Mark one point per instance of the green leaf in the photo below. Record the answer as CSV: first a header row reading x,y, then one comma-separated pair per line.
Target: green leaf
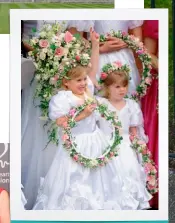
x,y
52,46
77,36
34,30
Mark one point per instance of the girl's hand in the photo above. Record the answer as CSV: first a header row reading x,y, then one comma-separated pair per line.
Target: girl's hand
x,y
88,110
60,121
96,84
94,37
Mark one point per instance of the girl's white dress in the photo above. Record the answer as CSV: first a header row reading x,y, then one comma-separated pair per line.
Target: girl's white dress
x,y
35,160
23,199
124,55
120,185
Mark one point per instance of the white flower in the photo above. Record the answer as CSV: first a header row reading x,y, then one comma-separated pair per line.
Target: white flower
x,y
36,65
61,36
42,56
56,58
73,39
55,64
30,53
77,45
43,118
38,77
66,51
64,60
45,95
85,56
43,34
67,63
49,52
93,162
34,40
45,50
137,40
68,45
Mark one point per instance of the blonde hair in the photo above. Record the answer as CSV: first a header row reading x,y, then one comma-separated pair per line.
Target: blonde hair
x,y
74,73
116,77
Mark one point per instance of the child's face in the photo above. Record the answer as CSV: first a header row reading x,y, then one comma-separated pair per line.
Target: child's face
x,y
117,91
78,85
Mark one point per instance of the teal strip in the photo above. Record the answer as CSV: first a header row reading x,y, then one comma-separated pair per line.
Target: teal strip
x,y
89,221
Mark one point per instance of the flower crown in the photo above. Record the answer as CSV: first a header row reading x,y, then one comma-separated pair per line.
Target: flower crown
x,y
111,67
56,52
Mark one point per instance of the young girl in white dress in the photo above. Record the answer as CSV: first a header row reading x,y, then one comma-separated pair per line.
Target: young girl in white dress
x,y
35,160
70,186
115,88
114,49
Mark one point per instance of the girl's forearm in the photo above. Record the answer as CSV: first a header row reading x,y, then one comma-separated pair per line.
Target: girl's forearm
x,y
94,61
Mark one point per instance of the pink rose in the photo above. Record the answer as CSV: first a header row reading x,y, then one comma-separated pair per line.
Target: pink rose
x,y
72,112
148,167
59,51
103,76
68,144
75,157
56,77
65,137
118,63
52,81
150,187
77,58
139,52
124,33
134,94
151,180
144,152
43,43
148,80
68,37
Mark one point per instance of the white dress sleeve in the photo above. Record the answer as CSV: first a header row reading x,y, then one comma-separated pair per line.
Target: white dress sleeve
x,y
136,119
135,23
90,85
59,105
81,25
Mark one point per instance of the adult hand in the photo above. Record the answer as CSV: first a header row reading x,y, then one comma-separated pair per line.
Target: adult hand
x,y
112,44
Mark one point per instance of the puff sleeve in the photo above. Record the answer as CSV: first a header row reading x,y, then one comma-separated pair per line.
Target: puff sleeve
x,y
136,114
81,25
135,23
59,105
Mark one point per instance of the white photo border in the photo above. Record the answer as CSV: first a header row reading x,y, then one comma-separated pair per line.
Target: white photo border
x,y
15,112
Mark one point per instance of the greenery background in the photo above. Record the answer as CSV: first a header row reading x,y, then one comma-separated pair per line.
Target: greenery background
x,y
168,4
5,9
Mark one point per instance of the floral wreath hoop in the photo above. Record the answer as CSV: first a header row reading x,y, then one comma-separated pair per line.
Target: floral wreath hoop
x,y
70,145
135,44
